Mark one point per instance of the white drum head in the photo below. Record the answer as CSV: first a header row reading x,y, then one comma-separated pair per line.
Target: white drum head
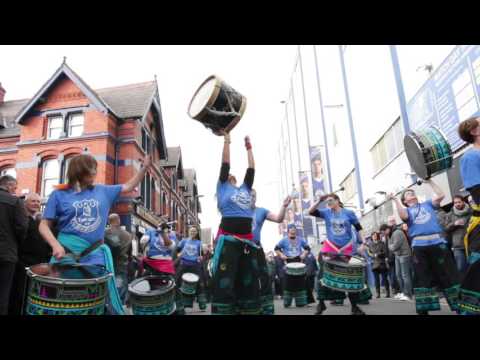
x,y
296,265
189,277
202,96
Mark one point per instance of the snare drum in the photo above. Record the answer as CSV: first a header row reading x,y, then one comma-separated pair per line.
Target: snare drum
x,y
56,289
217,105
428,152
189,283
153,295
296,269
344,276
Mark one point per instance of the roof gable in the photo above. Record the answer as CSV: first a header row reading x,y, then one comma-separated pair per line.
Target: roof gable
x,y
65,70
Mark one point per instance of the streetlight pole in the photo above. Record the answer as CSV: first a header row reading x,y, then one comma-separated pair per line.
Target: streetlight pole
x,y
289,142
306,119
298,144
324,129
352,130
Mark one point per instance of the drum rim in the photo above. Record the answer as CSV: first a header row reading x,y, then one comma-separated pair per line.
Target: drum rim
x,y
414,137
58,281
236,120
335,262
210,101
300,267
152,292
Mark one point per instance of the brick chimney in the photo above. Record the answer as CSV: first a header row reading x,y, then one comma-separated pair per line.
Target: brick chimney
x,y
2,94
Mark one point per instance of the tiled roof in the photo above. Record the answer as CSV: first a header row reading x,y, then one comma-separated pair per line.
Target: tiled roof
x,y
126,102
173,157
130,100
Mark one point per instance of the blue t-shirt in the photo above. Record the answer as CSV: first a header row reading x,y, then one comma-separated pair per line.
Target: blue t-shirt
x,y
258,219
292,248
190,250
422,220
156,246
233,201
470,168
83,213
338,224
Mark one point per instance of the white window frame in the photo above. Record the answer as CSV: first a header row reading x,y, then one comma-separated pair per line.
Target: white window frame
x,y
44,165
8,171
71,117
49,129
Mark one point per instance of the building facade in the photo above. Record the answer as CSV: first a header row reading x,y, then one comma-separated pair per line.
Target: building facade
x,y
118,126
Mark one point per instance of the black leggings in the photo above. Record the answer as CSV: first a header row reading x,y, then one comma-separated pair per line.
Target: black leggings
x,y
7,270
384,275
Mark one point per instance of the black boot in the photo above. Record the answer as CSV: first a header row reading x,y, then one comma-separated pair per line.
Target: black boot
x,y
378,293
388,292
321,307
356,310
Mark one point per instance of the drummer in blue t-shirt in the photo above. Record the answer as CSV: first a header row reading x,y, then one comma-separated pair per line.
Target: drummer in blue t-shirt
x,y
190,258
469,298
340,245
259,217
80,210
293,249
432,261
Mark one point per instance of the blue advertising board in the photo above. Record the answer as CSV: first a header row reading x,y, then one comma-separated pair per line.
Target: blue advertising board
x,y
450,95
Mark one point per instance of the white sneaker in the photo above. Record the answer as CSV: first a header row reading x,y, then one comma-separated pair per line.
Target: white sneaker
x,y
405,298
398,296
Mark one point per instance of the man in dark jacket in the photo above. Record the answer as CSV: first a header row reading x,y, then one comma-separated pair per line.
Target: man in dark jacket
x,y
13,230
456,226
33,250
279,275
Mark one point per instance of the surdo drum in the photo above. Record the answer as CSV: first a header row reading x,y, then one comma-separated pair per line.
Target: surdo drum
x,y
344,276
189,283
428,152
153,295
296,269
217,105
56,289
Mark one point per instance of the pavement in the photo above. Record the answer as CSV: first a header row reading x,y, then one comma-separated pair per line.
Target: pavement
x,y
382,306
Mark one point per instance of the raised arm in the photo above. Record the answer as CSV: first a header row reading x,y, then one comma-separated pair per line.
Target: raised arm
x,y
135,180
278,218
401,210
316,204
249,176
225,169
438,192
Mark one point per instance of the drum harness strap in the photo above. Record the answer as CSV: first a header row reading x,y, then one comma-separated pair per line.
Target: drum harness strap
x,y
85,252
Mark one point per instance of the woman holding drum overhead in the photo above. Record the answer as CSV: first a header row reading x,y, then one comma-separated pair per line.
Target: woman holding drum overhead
x,y
235,271
191,263
339,246
469,297
432,260
293,250
81,209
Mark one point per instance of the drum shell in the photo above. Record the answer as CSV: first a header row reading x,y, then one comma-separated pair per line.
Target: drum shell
x,y
342,276
218,101
300,271
159,302
428,152
189,287
50,296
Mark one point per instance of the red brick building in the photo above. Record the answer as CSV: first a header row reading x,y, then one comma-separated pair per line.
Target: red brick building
x,y
116,125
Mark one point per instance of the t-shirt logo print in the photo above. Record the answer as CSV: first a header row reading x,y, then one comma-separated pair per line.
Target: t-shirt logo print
x,y
423,217
242,199
338,227
190,250
87,217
